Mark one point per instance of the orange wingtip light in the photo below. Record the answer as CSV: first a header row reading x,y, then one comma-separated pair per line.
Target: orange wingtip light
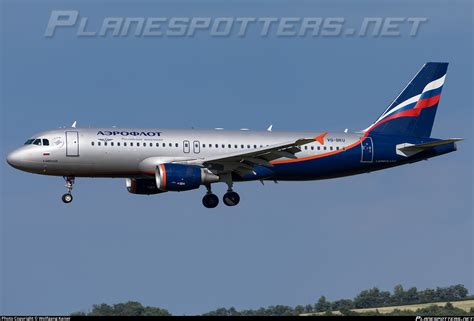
x,y
320,138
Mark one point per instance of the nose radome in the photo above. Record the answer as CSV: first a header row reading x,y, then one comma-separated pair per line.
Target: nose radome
x,y
14,158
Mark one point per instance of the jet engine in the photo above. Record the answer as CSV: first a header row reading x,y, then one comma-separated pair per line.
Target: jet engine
x,y
142,186
180,177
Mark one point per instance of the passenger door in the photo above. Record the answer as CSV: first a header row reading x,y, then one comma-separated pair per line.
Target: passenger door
x,y
72,144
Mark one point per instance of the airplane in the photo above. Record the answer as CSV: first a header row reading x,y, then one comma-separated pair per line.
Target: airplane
x,y
154,161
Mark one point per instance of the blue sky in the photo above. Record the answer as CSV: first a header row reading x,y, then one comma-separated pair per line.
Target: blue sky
x,y
285,243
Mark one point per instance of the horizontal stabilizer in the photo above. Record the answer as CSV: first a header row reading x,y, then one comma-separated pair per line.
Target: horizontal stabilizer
x,y
407,149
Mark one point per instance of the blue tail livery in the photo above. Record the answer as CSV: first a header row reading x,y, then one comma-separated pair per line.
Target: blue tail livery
x,y
158,160
413,112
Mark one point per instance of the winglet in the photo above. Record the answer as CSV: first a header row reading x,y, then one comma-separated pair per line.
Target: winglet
x,y
320,138
74,124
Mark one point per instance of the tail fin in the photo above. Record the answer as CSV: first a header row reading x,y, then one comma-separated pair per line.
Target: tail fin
x,y
413,112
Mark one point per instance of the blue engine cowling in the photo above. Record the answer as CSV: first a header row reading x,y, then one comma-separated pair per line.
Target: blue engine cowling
x,y
179,177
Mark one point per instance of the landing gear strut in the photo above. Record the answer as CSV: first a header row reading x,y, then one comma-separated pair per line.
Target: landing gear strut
x,y
210,200
67,198
230,198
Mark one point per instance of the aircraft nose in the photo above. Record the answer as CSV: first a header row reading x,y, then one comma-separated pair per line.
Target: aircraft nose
x,y
14,158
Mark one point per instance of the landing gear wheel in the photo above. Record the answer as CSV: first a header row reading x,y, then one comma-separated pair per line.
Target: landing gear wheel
x,y
67,198
231,198
210,200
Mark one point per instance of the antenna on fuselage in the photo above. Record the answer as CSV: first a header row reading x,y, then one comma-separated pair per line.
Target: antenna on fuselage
x,y
74,124
346,130
270,128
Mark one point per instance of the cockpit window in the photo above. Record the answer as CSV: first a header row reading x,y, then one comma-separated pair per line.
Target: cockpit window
x,y
37,141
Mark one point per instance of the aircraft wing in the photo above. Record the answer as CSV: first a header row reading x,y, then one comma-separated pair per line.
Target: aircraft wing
x,y
244,161
411,149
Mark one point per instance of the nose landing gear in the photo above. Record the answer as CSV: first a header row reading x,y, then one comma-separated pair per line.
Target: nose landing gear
x,y
67,198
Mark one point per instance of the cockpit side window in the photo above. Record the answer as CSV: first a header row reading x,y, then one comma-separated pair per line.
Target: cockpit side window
x,y
37,141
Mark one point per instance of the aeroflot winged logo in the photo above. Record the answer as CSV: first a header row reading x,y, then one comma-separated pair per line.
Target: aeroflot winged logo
x,y
127,133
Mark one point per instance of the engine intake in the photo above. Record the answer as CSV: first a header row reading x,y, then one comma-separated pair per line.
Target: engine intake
x,y
179,177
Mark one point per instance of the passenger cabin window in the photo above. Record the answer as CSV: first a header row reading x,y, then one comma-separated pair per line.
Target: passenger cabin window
x,y
92,143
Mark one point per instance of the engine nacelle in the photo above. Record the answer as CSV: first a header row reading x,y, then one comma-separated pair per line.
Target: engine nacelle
x,y
179,177
142,186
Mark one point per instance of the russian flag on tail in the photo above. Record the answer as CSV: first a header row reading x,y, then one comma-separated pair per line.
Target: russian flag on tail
x,y
413,112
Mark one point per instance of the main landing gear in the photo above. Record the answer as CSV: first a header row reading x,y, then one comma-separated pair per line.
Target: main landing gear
x,y
67,198
231,198
210,200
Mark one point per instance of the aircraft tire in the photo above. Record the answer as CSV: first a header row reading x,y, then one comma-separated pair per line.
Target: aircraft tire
x,y
67,198
231,198
210,200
